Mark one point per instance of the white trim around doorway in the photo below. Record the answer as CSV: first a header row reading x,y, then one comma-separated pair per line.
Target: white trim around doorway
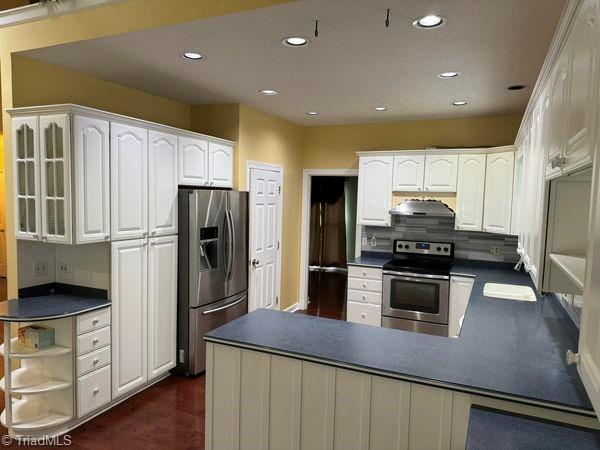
x,y
276,168
305,230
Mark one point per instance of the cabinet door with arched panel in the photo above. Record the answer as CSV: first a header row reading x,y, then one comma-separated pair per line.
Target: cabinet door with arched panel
x,y
220,157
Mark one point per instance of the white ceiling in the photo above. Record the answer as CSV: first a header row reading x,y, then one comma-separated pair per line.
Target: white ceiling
x,y
354,64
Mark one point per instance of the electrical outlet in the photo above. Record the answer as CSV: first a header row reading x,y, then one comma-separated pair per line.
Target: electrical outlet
x,y
373,241
40,268
495,250
365,241
64,268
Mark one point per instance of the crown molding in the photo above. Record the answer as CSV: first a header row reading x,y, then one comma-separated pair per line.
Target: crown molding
x,y
565,24
30,13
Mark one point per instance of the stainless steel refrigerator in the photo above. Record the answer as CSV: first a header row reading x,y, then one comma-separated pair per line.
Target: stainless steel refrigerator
x,y
213,268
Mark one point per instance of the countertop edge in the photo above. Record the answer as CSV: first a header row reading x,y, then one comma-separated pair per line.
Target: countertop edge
x,y
61,316
404,377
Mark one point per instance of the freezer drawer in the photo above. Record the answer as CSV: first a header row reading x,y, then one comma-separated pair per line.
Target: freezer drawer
x,y
207,318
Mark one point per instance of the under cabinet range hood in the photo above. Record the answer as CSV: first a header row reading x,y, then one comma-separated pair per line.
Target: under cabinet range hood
x,y
428,208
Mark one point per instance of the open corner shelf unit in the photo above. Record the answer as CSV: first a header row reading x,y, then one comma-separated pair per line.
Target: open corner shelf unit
x,y
572,266
39,391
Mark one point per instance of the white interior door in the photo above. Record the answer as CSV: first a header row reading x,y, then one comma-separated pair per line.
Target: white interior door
x,y
265,205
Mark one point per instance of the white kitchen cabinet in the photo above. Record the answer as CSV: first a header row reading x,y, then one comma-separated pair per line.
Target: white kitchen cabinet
x,y
193,161
430,418
470,192
55,178
162,305
129,181
440,173
498,192
220,165
91,160
409,173
582,51
460,292
162,183
352,410
27,177
129,278
375,190
555,104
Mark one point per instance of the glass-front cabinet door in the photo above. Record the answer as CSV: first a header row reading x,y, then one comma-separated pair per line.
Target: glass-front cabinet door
x,y
55,178
27,182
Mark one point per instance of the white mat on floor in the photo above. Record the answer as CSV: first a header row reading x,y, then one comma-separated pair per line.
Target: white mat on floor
x,y
509,292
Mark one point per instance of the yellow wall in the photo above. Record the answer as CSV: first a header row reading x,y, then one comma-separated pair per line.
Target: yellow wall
x,y
31,87
335,146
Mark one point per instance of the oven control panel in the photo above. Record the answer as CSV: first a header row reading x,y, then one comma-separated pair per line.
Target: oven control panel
x,y
419,247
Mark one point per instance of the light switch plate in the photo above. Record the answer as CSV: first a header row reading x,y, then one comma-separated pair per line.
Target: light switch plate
x,y
40,268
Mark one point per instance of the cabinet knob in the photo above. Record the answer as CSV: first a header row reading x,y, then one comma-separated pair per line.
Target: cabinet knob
x,y
364,297
363,315
153,233
95,322
96,390
364,285
35,236
96,361
364,274
95,341
44,238
145,234
106,237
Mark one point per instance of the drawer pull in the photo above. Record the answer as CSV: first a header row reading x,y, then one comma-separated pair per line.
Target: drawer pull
x,y
363,315
95,321
95,361
364,297
96,390
364,273
364,285
95,341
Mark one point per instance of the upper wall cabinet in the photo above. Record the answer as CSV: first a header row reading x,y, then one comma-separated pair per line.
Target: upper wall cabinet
x,y
469,192
92,179
220,165
440,173
129,181
162,183
409,173
498,192
83,175
193,161
375,190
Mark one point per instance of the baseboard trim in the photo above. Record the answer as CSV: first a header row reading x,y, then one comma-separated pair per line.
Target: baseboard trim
x,y
295,307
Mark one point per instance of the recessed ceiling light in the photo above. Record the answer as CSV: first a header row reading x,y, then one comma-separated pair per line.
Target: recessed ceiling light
x,y
192,56
268,92
294,41
312,113
430,21
379,108
516,87
449,74
459,103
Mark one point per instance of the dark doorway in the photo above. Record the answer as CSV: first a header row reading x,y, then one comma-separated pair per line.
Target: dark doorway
x,y
332,235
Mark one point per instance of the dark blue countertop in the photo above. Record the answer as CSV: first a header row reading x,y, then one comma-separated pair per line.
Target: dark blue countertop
x,y
47,307
494,430
506,347
371,259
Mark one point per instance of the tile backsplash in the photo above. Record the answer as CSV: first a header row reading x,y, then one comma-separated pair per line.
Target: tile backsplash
x,y
467,244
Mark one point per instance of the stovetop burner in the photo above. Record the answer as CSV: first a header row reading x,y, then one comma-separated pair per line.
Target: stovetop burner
x,y
420,257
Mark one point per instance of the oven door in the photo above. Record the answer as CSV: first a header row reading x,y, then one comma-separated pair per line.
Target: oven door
x,y
420,298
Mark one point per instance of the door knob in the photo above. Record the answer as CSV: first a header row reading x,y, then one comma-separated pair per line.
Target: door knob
x,y
255,262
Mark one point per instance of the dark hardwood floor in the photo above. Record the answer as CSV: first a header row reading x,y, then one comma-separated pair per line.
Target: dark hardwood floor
x,y
169,415
327,294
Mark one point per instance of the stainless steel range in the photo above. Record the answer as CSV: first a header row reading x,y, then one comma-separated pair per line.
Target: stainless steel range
x,y
416,287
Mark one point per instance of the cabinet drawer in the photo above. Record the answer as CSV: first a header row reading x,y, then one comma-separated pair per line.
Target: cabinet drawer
x,y
93,340
93,360
364,285
364,313
93,391
371,273
93,320
364,297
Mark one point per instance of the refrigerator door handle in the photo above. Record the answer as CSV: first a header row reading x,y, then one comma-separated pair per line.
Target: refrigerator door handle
x,y
232,243
221,308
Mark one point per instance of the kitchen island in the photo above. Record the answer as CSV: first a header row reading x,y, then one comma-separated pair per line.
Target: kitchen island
x,y
510,356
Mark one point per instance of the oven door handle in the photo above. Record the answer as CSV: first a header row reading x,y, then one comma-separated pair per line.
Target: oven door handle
x,y
415,276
